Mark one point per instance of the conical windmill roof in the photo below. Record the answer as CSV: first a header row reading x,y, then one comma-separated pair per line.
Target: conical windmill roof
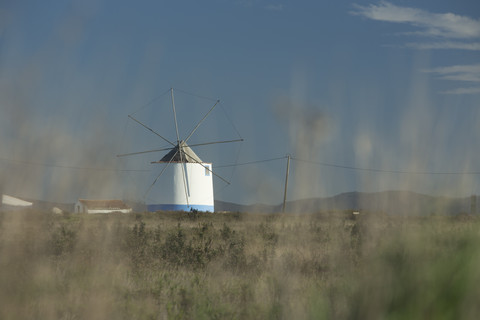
x,y
187,156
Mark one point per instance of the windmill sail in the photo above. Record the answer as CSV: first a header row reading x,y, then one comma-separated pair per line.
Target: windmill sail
x,y
188,183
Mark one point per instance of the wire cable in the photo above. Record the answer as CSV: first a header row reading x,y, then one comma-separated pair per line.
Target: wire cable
x,y
230,120
51,165
251,162
195,95
150,102
213,100
387,171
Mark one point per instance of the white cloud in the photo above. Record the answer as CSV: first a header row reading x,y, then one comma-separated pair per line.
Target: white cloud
x,y
465,73
471,90
456,69
446,25
469,73
446,31
474,46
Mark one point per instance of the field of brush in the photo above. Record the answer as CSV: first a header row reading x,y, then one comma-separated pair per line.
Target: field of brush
x,y
238,266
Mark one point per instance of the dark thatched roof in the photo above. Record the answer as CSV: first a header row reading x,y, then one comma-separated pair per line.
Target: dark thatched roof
x,y
175,155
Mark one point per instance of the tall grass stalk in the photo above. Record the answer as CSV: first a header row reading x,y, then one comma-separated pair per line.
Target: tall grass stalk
x,y
237,266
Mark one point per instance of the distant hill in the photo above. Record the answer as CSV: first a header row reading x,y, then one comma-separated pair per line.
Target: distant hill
x,y
254,208
388,202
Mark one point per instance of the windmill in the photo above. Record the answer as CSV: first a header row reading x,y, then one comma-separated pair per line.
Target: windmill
x,y
188,180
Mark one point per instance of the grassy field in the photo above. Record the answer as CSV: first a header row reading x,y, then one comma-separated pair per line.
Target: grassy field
x,y
238,266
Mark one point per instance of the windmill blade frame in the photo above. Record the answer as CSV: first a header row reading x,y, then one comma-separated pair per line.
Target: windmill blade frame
x,y
206,168
200,122
143,152
155,181
150,129
179,147
196,181
169,148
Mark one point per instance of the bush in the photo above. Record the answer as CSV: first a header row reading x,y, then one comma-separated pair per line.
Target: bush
x,y
149,266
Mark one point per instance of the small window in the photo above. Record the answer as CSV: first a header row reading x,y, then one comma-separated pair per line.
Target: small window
x,y
207,171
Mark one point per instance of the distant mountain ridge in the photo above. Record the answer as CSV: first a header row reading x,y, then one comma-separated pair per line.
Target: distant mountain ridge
x,y
388,202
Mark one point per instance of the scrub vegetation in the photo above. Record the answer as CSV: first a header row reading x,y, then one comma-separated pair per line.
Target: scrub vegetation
x,y
238,266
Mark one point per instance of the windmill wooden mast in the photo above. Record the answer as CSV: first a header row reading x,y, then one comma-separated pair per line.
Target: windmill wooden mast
x,y
188,185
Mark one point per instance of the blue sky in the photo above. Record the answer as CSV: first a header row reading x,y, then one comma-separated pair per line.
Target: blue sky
x,y
389,85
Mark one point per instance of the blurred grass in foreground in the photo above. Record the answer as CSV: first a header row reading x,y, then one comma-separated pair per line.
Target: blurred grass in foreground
x,y
238,266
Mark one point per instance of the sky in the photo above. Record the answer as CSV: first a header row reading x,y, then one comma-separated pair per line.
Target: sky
x,y
364,95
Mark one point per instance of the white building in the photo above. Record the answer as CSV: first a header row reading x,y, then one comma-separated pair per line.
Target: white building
x,y
9,203
186,183
101,206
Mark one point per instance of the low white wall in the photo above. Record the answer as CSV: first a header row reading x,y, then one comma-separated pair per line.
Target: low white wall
x,y
92,211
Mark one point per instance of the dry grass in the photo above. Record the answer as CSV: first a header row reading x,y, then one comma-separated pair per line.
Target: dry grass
x,y
237,266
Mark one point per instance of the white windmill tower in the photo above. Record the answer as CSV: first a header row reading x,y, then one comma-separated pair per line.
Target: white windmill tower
x,y
187,181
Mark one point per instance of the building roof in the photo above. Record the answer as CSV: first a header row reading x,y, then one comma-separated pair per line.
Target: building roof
x,y
175,156
104,204
12,201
